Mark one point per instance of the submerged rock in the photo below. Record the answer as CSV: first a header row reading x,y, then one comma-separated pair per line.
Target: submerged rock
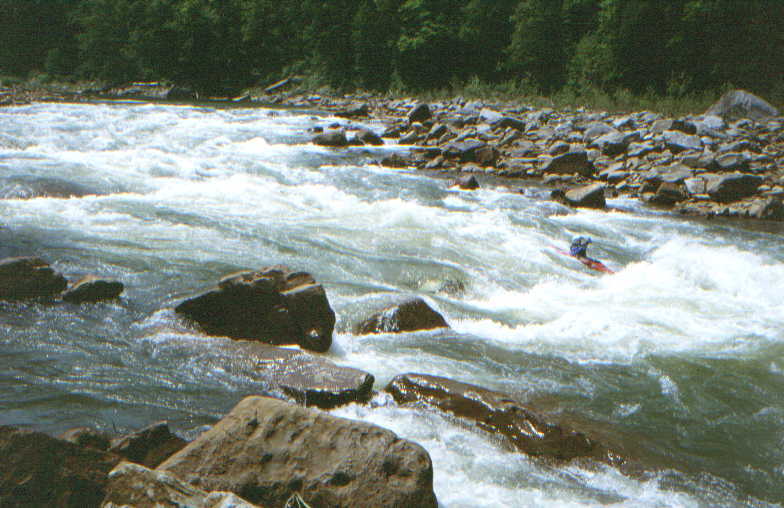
x,y
274,305
466,182
135,485
266,450
28,278
494,412
92,289
408,316
331,138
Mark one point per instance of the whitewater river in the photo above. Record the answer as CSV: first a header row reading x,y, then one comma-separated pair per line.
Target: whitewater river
x,y
678,358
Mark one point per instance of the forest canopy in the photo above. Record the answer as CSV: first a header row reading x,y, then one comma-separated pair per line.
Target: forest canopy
x,y
664,47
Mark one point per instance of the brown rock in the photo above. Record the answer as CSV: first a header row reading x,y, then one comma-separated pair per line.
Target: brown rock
x,y
408,316
494,412
265,450
149,446
92,289
29,278
570,162
132,485
39,470
274,305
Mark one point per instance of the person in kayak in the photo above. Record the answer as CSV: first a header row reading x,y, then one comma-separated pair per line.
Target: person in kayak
x,y
579,248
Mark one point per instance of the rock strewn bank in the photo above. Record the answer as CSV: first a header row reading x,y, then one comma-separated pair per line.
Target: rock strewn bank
x,y
728,161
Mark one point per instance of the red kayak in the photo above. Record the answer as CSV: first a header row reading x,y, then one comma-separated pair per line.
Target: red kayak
x,y
590,263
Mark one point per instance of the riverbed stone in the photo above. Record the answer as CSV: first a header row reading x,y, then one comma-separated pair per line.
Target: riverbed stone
x,y
39,470
587,196
571,162
275,305
92,289
495,412
411,315
27,278
677,141
732,187
133,485
331,138
466,182
265,450
420,113
297,376
149,446
87,436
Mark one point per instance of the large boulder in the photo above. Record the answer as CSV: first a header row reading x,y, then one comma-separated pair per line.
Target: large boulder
x,y
39,470
732,187
274,305
134,485
570,163
149,446
265,450
28,278
495,412
408,316
737,104
296,375
93,289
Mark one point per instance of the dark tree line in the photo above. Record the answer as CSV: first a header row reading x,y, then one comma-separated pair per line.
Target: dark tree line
x,y
672,46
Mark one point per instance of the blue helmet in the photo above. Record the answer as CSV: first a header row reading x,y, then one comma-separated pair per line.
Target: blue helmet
x,y
579,246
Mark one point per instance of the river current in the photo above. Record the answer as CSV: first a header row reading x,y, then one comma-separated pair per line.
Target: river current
x,y
677,358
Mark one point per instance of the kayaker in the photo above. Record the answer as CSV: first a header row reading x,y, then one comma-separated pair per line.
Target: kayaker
x,y
579,247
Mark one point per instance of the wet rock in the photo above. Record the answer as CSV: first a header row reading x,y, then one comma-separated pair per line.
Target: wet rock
x,y
92,289
332,138
732,187
395,161
408,316
86,436
494,412
274,305
297,376
741,104
587,196
266,450
28,187
569,163
420,113
39,470
467,182
369,137
27,278
134,485
149,446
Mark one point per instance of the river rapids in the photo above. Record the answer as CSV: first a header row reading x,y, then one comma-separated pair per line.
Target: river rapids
x,y
677,358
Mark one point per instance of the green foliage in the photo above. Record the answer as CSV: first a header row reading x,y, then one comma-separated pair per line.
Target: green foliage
x,y
575,48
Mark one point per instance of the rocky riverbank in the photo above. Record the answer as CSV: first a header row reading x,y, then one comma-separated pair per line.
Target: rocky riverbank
x,y
728,161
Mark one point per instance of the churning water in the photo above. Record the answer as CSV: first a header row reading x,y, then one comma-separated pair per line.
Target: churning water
x,y
677,359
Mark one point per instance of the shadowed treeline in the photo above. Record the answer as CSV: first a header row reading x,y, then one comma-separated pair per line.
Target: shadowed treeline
x,y
641,46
